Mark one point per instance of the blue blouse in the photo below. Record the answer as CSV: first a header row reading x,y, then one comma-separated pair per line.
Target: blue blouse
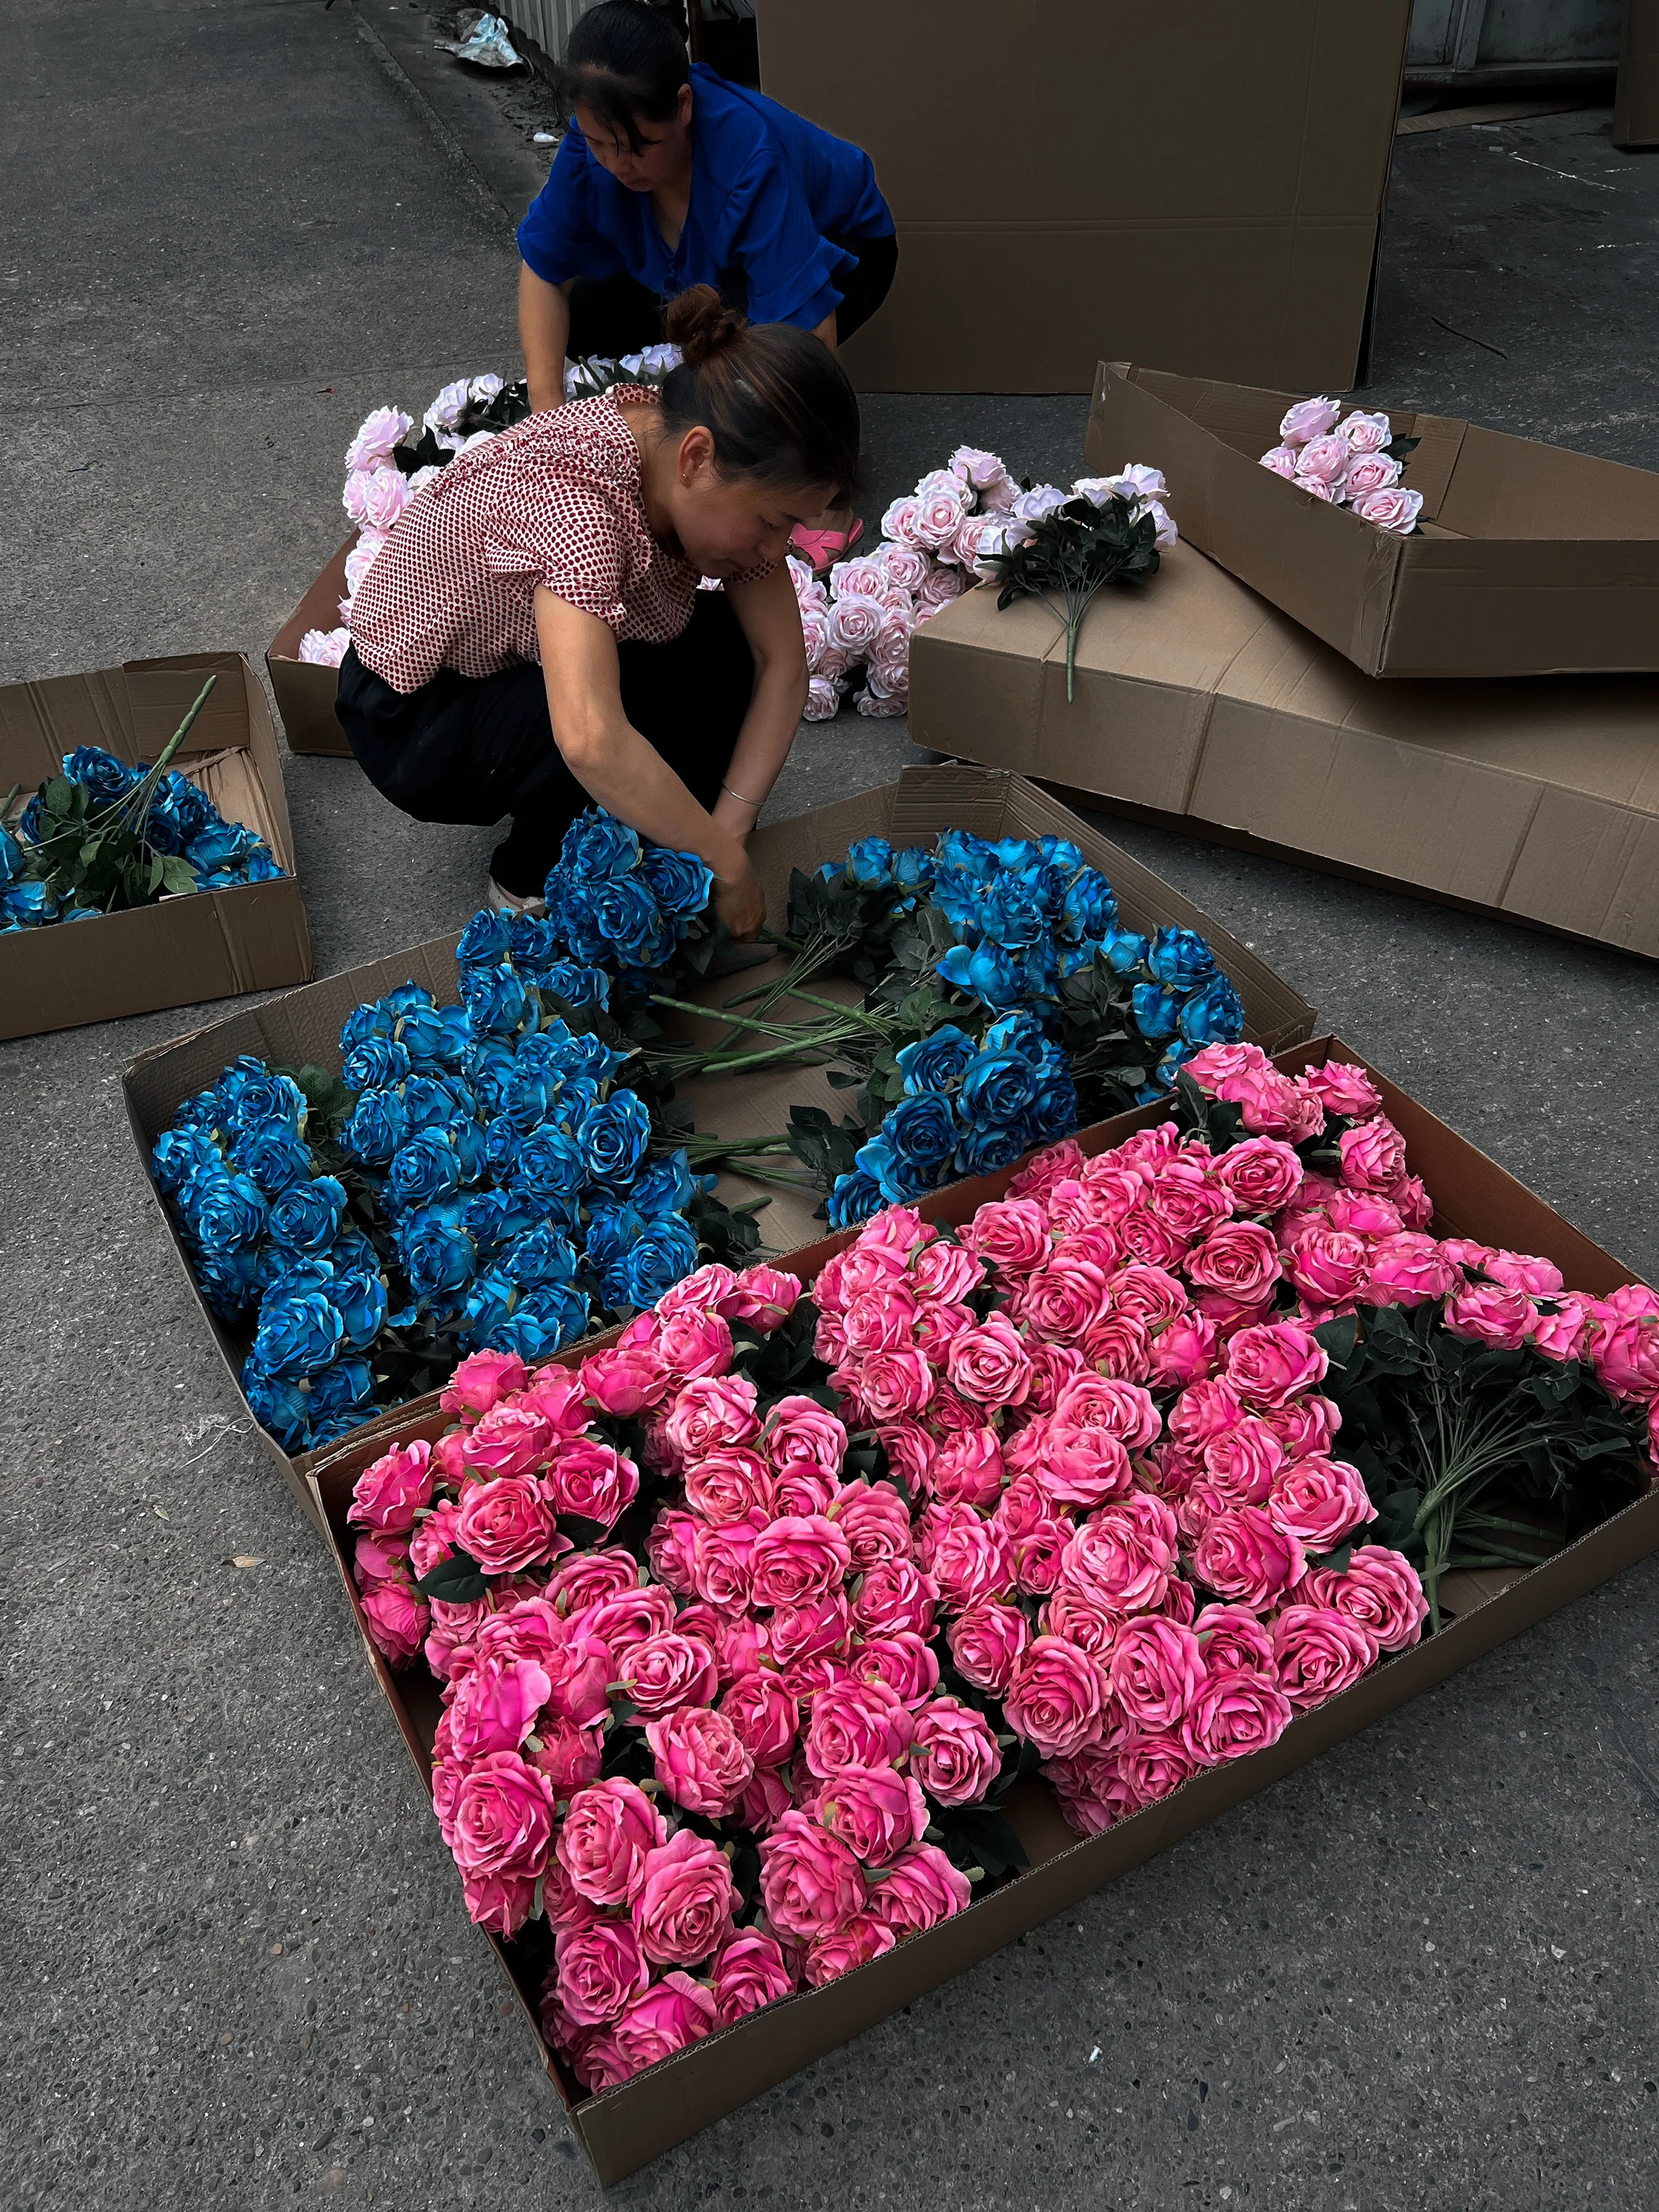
x,y
769,191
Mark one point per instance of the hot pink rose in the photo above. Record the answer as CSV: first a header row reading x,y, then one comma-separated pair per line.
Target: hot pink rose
x,y
701,1761
799,1559
762,1296
509,1439
803,1490
1560,1327
608,1832
387,1495
1238,1257
483,1380
1156,1670
945,1273
1373,1155
495,1706
666,1671
1320,1502
728,1484
1491,1313
1060,1301
1237,1711
1012,1233
875,1810
1081,1616
989,1363
893,1598
954,1755
1242,1462
1125,1553
722,1562
1320,1652
673,2012
496,1814
904,1661
591,1481
1122,1410
692,1345
857,1723
882,1320
801,1633
1261,1175
506,1525
749,1971
623,1383
967,1557
1626,1354
397,1620
499,1902
1242,1556
810,1882
1083,1467
1521,1271
1268,1365
683,1907
599,1969
764,1716
800,1430
1408,1270
1038,1552
1184,1351
875,1521
1055,1695
1118,1345
920,1889
1380,1593
1153,1763
1233,1641
711,1410
1304,1426
1208,1409
764,1800
987,1643
968,1469
910,1452
862,1938
569,1755
1309,419
892,1384
1328,1267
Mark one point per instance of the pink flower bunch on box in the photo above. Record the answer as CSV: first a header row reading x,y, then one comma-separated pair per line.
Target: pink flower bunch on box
x,y
1354,461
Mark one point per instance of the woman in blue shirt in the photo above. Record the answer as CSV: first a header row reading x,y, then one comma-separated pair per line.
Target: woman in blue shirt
x,y
669,177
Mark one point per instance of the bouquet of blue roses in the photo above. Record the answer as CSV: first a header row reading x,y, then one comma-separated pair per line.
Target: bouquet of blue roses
x,y
102,837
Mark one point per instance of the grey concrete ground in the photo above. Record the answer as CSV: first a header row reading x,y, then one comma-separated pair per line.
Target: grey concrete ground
x,y
236,1969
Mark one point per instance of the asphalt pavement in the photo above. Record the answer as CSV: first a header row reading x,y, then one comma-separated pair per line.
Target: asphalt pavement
x,y
236,1966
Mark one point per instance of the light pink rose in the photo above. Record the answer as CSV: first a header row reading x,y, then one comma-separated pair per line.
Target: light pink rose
x,y
607,1834
905,566
483,1380
506,1525
599,1971
987,1643
386,1496
899,522
810,1882
1320,1653
893,1598
684,1904
764,1716
1055,1697
1370,473
1281,460
904,1661
854,626
1366,434
623,1383
862,1938
1156,1670
749,1971
1380,1593
920,1889
1243,1557
1323,461
589,1481
1268,1365
954,1755
940,516
856,1723
375,497
942,585
1237,1711
1308,418
1491,1315
1319,1501
861,578
381,429
876,1811
673,2012
1396,510
496,1815
822,699
396,1619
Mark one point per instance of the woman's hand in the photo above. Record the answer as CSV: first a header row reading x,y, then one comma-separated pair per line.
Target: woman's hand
x,y
741,903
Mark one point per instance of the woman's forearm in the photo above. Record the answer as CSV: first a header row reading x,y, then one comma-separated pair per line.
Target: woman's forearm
x,y
543,334
768,732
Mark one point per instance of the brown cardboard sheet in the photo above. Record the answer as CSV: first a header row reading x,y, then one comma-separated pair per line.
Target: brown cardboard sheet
x,y
305,690
623,2129
1198,183
1197,700
1531,560
184,950
305,1025
1636,103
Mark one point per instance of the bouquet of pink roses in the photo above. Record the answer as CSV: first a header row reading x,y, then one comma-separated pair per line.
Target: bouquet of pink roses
x,y
1355,462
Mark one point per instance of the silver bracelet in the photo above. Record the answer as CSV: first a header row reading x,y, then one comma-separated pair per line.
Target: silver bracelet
x,y
741,800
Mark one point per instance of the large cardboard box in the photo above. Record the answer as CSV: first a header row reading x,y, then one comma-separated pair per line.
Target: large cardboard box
x,y
1530,560
622,2129
305,1025
212,945
1200,705
305,690
1199,184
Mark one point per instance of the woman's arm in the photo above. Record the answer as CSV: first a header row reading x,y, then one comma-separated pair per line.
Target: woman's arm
x,y
770,619
625,773
544,334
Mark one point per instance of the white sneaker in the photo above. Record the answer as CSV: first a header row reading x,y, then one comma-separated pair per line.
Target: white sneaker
x,y
509,902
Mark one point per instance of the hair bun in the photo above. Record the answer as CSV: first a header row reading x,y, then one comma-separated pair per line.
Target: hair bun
x,y
701,324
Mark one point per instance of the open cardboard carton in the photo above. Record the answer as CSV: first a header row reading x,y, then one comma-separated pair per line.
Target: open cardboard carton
x,y
1529,560
1199,182
1200,707
186,949
305,690
622,2129
305,1025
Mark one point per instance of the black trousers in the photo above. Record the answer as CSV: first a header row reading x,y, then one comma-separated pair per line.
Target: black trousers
x,y
473,748
616,315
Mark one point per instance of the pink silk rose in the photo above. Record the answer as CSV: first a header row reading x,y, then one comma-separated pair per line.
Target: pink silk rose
x,y
727,1484
1281,460
797,1560
387,1496
987,1643
800,1430
1308,419
1055,1697
668,1670
1396,510
710,1411
904,1661
598,1970
1379,1591
609,1830
764,1716
875,1810
875,1521
1328,1267
1241,1556
918,1891
1369,473
1320,1502
496,1815
864,1937
499,1902
1011,1234
1408,1270
701,1761
1366,434
672,2013
591,1481
1320,1652
624,1383
509,1439
495,1706
1323,461
1157,1669
1238,1257
953,1755
1235,1712
989,1363
893,1599
506,1525
1125,1553
685,1902
1268,1365
1491,1315
398,1621
857,1723
1234,1641
750,1970
810,1882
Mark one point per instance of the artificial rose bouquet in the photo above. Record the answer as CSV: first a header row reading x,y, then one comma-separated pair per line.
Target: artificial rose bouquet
x,y
1353,462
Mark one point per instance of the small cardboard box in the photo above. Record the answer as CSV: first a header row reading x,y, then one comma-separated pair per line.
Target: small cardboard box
x,y
305,689
1530,560
1199,184
305,1025
1200,707
211,945
622,2129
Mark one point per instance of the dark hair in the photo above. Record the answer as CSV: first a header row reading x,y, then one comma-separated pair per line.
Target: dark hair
x,y
775,399
625,60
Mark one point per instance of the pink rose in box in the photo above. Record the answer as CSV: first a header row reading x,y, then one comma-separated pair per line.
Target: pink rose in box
x,y
1242,1556
685,1902
987,1643
1235,1713
799,1559
1267,1366
857,1723
506,1525
1308,419
496,1814
810,1882
1281,460
1371,472
904,1661
1320,1653
1234,1641
1365,434
668,1670
387,1496
1325,461
397,1620
859,1940
1396,510
729,1483
920,1889
749,1970
1491,1313
1156,1669
893,1598
673,2012
1328,1268
483,1380
588,1579
954,1755
609,1831
1055,1697
599,1969
764,1716
701,1761
1378,1590
1241,1464
874,1810
710,1411
1320,1501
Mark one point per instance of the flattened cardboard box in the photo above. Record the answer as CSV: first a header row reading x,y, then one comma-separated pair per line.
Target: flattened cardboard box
x,y
622,2129
306,1025
1200,182
1199,703
305,690
1531,560
181,951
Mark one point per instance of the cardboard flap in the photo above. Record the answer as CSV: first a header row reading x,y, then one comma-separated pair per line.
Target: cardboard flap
x,y
42,721
1429,470
161,693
